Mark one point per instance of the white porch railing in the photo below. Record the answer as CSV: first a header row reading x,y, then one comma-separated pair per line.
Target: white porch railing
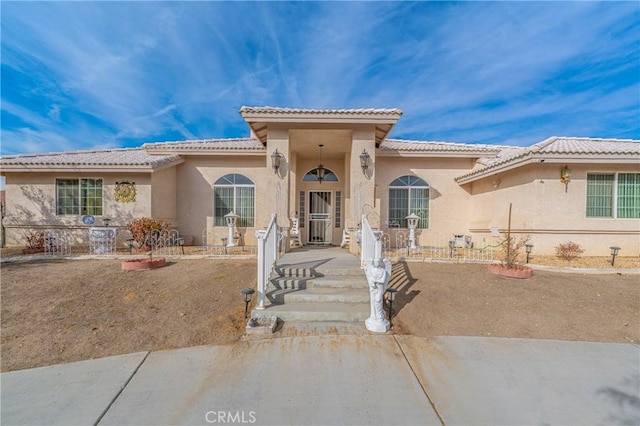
x,y
370,243
268,241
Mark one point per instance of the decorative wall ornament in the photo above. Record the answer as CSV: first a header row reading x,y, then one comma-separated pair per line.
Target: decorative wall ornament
x,y
125,191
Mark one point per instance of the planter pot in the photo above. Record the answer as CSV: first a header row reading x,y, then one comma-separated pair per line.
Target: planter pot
x,y
32,250
515,272
142,264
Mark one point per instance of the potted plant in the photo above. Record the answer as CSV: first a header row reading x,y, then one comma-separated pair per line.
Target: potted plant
x,y
511,248
34,243
143,231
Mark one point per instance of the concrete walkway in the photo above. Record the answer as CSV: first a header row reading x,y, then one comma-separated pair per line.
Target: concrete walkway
x,y
311,376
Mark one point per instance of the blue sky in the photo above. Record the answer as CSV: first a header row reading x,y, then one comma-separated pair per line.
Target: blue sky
x,y
91,75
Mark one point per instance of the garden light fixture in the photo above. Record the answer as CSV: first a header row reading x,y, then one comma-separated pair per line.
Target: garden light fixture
x,y
412,220
391,296
452,245
614,253
130,244
528,248
248,294
106,221
231,218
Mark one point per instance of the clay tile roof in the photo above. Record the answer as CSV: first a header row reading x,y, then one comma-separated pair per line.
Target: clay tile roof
x,y
207,144
567,148
134,157
430,146
294,111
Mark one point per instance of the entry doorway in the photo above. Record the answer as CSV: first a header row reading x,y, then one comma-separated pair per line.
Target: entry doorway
x,y
320,230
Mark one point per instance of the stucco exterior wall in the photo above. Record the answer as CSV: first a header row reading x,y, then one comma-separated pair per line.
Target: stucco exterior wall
x,y
549,214
31,204
163,195
194,194
449,204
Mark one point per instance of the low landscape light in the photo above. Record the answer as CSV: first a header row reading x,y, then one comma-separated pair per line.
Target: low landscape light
x,y
106,221
528,248
130,244
391,295
614,253
248,294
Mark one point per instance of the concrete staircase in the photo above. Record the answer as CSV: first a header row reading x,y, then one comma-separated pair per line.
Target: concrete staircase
x,y
318,284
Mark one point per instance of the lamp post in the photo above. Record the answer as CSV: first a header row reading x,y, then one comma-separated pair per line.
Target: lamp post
x,y
412,220
614,253
391,295
231,218
248,294
528,248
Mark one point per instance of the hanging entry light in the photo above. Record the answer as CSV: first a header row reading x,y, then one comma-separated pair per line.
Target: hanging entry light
x,y
320,170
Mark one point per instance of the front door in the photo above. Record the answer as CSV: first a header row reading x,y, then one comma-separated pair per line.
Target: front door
x,y
320,217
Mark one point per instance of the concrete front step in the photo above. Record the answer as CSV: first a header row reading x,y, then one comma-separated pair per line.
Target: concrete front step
x,y
303,271
283,283
342,312
319,295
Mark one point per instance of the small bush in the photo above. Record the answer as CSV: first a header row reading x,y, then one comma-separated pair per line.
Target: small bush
x,y
569,250
35,240
143,229
511,249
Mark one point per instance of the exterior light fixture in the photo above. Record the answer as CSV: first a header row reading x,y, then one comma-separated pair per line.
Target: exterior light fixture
x,y
528,248
248,294
364,160
391,295
130,244
320,170
412,220
231,218
276,157
565,176
106,221
614,253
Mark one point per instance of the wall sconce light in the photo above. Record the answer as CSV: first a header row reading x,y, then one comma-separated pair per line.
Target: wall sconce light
x,y
276,157
614,253
496,183
320,170
565,176
364,160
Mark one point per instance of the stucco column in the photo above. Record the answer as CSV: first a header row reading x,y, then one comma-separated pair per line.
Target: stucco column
x,y
276,200
361,183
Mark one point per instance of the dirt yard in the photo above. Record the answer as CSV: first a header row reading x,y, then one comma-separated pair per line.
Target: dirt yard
x,y
56,311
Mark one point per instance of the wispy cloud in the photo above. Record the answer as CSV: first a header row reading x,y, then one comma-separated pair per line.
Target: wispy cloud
x,y
82,75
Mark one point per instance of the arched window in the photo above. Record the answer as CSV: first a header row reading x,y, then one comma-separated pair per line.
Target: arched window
x,y
234,193
312,176
408,194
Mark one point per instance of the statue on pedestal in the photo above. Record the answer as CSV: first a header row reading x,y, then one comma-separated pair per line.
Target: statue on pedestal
x,y
378,274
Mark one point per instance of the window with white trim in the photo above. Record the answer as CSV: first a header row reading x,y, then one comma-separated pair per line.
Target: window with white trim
x,y
234,193
408,194
79,197
613,195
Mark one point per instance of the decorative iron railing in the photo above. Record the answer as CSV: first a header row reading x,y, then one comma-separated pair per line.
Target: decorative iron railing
x,y
268,253
57,242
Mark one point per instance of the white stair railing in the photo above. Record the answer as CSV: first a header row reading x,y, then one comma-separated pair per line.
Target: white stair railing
x,y
267,256
371,243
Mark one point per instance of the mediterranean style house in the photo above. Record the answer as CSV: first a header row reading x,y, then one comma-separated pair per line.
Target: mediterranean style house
x,y
327,168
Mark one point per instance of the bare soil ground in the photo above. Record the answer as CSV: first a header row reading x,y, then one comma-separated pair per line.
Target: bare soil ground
x,y
55,311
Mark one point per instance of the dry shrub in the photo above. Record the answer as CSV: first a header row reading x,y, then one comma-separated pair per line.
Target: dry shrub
x,y
569,250
511,249
143,229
